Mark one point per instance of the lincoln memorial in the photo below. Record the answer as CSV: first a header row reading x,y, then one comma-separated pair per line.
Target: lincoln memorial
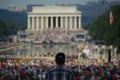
x,y
53,23
44,17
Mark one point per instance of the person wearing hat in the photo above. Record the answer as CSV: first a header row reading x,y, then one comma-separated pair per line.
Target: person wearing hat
x,y
60,72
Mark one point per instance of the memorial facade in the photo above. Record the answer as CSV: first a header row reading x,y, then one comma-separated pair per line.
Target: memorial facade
x,y
45,17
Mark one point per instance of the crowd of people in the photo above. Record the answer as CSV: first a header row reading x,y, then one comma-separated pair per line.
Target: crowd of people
x,y
56,35
36,70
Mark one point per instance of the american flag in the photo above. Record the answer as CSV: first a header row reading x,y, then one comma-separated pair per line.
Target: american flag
x,y
111,18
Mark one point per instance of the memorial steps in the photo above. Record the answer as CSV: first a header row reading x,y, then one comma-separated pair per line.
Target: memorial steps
x,y
51,36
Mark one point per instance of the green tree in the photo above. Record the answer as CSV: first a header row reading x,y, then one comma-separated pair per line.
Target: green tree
x,y
4,31
9,28
101,29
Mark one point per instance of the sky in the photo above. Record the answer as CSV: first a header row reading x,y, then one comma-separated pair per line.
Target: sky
x,y
23,3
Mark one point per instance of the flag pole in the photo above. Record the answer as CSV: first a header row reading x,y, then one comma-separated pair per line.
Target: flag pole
x,y
111,19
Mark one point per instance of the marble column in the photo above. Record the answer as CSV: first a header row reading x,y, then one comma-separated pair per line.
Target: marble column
x,y
56,22
75,23
29,26
41,22
61,22
79,23
37,24
66,22
70,23
33,23
46,22
51,26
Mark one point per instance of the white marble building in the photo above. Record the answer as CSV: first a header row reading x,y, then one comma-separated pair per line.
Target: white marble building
x,y
44,17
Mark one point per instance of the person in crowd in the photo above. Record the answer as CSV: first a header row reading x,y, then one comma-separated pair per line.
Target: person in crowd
x,y
60,72
77,77
112,76
87,74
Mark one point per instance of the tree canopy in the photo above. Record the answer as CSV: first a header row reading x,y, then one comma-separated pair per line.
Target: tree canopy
x,y
101,29
4,31
11,22
10,28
